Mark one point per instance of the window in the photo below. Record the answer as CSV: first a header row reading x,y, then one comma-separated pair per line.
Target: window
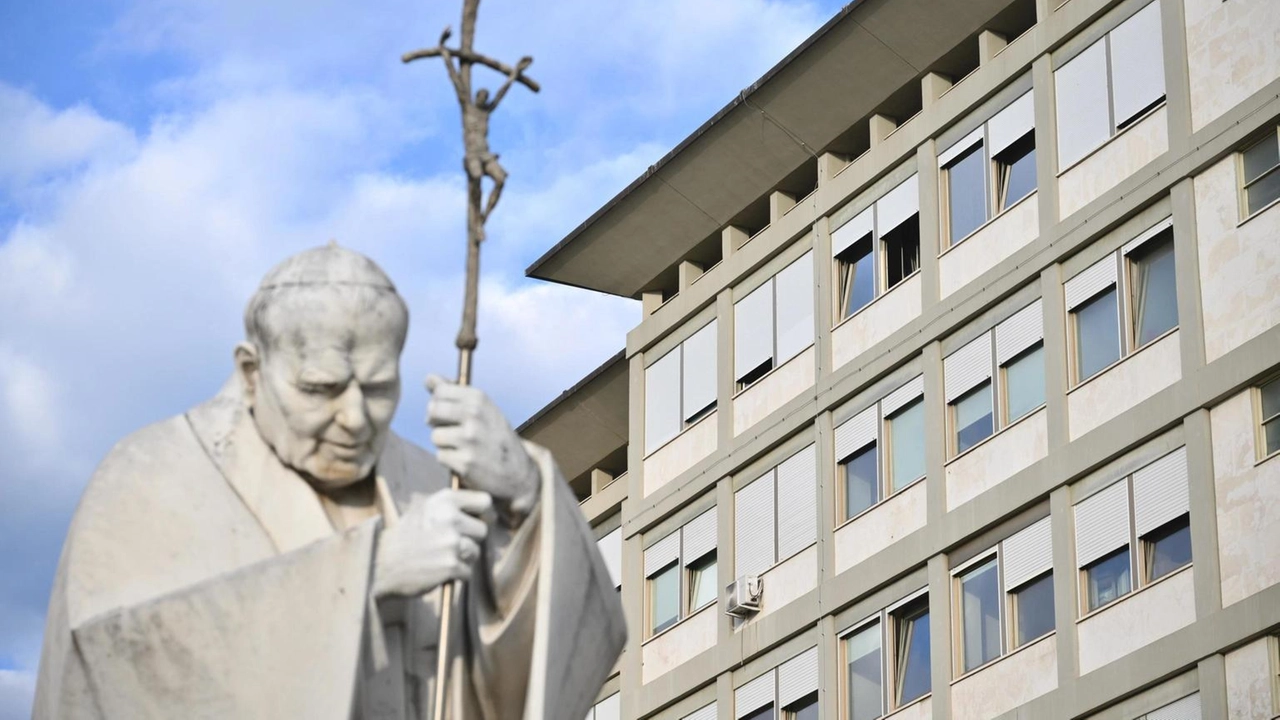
x,y
1110,85
877,249
1012,354
1160,530
680,388
869,474
702,582
611,550
609,708
1259,165
980,614
912,677
774,322
776,515
792,686
866,695
1005,599
681,573
1187,707
1269,424
1150,302
989,170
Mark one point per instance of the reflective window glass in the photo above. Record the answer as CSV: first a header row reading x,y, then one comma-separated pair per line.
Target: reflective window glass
x,y
901,251
1271,417
764,713
664,599
861,481
1155,298
1033,603
804,709
1261,173
1108,578
911,626
1168,548
866,692
1024,382
906,440
857,277
967,193
1097,334
1017,171
980,614
702,582
973,421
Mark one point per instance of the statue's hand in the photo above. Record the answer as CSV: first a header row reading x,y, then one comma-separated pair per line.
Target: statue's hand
x,y
474,440
436,540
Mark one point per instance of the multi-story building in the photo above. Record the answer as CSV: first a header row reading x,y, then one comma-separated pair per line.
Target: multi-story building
x,y
961,334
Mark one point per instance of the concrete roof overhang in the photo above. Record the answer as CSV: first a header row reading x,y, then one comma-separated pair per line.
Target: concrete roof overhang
x,y
587,422
838,76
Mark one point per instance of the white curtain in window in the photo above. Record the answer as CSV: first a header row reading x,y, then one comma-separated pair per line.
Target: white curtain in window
x,y
699,377
662,401
1137,63
753,330
794,294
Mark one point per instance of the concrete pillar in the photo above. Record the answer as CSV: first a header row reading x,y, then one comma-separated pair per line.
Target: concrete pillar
x,y
725,384
1177,79
935,428
1065,585
1186,258
599,478
689,272
724,554
732,238
829,165
932,86
940,636
881,127
830,673
779,203
989,43
1056,347
650,301
1212,676
1046,133
823,297
1204,513
930,223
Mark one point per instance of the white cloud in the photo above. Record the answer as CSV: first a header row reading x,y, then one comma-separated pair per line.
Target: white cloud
x,y
27,396
17,689
39,142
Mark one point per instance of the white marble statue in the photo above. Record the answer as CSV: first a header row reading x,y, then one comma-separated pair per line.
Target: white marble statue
x,y
275,552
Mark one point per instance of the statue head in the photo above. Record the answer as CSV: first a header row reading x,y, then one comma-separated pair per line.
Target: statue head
x,y
320,364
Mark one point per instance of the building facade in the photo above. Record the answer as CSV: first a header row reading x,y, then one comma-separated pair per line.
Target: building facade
x,y
960,343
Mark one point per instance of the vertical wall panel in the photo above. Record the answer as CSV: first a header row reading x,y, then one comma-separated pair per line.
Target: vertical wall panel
x,y
794,296
1160,492
699,377
753,529
753,329
1102,523
797,502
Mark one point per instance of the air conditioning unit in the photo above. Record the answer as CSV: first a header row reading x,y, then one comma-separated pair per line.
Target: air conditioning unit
x,y
743,596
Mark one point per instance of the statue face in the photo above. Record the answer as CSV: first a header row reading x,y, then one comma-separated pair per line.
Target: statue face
x,y
323,394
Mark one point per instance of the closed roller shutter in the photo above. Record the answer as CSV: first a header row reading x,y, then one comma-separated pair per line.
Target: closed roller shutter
x,y
1027,554
707,712
699,381
960,148
794,291
753,526
898,205
1022,330
753,330
797,502
1098,277
1137,63
753,695
856,433
1160,492
968,367
798,677
1188,708
1011,123
899,398
1102,523
661,554
609,708
662,401
699,536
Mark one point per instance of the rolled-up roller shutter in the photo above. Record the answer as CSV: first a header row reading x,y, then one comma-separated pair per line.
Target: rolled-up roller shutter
x,y
1027,554
798,677
753,695
661,554
968,367
1102,523
699,536
1160,492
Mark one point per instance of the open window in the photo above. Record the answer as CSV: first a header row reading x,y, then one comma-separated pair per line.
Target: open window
x,y
880,451
877,249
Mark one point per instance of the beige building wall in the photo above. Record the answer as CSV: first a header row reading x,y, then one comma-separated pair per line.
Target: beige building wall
x,y
1233,51
679,644
999,458
880,527
1138,619
876,322
681,453
1125,384
1012,681
1107,166
1251,676
1239,262
1248,501
774,390
1013,229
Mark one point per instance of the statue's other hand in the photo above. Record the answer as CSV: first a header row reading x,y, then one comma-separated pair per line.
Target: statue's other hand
x,y
474,440
436,540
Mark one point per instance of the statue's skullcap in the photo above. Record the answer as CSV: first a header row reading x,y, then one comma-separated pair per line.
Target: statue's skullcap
x,y
329,264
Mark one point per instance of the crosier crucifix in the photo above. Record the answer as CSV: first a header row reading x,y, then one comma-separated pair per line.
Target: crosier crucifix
x,y
479,162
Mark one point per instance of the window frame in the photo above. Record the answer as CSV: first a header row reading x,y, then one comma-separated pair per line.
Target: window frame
x,y
1243,184
650,586
884,459
691,571
1136,546
1005,415
886,621
879,256
1007,607
1115,128
1145,241
1261,453
684,577
985,162
953,418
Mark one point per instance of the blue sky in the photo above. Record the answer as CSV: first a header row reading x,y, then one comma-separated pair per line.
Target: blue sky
x,y
160,155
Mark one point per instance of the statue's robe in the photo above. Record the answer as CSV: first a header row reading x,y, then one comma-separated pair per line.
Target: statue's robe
x,y
201,578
